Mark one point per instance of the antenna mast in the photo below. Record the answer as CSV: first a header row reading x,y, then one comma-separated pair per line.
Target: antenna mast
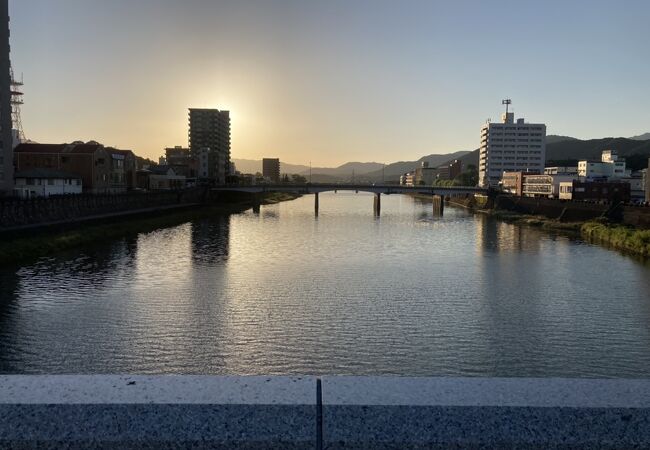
x,y
506,102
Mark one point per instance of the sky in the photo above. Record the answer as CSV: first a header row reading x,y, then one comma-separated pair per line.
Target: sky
x,y
329,81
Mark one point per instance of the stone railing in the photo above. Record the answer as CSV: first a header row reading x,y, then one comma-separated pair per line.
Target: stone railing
x,y
330,412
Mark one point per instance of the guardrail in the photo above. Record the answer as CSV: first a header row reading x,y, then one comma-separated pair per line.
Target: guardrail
x,y
329,412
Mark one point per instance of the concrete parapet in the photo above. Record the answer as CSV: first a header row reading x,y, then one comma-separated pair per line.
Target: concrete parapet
x,y
157,412
332,413
424,413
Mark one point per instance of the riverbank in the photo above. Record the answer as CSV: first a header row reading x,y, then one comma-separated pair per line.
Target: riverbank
x,y
276,197
532,220
615,236
16,248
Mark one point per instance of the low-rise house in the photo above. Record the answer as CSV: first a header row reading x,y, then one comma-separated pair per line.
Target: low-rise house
x,y
123,168
637,186
547,186
450,171
46,182
561,170
101,169
408,179
512,183
183,162
646,174
425,175
595,191
156,178
610,167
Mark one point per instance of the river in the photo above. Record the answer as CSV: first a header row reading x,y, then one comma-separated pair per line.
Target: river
x,y
280,291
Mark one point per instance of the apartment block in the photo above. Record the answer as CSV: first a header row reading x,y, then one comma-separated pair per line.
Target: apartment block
x,y
209,130
271,169
510,146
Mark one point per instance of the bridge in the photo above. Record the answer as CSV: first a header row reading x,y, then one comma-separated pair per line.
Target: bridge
x,y
438,193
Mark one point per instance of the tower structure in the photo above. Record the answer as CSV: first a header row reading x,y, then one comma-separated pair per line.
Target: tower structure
x,y
6,135
16,102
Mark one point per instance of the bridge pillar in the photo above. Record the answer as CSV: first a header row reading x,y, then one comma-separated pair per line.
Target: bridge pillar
x,y
377,204
438,205
316,202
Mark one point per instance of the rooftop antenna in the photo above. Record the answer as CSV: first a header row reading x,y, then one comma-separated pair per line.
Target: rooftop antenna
x,y
506,102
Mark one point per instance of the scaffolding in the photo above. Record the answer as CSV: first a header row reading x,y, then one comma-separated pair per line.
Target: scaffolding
x,y
16,102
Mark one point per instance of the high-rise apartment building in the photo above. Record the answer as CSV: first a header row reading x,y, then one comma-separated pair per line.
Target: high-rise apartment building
x,y
271,169
510,146
6,134
210,131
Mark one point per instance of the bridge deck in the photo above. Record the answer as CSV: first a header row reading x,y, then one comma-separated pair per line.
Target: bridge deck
x,y
377,189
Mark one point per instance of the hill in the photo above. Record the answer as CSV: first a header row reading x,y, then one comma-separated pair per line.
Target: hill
x,y
641,137
392,172
346,170
569,152
255,165
553,139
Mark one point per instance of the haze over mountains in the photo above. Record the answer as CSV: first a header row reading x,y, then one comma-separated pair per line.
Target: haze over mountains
x,y
559,150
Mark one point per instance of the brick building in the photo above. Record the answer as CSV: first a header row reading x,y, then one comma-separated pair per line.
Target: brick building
x,y
101,169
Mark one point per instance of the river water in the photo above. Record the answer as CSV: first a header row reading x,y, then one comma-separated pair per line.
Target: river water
x,y
280,291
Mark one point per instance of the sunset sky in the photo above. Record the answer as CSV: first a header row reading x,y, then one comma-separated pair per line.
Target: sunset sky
x,y
329,81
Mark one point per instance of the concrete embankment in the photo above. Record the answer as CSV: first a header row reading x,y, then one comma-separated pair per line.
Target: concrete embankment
x,y
18,214
75,229
322,413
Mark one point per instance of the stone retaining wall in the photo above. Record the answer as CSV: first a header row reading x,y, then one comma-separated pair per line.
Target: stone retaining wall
x,y
16,213
329,412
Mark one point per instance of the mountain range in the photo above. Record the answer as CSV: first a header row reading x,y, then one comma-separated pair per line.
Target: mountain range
x,y
560,150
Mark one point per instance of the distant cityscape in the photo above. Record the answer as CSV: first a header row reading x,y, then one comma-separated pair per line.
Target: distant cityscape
x,y
512,158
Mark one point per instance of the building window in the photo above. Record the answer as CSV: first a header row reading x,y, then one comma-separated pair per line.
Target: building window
x,y
50,182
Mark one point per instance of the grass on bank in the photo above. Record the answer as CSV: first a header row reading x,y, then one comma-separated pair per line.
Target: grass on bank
x,y
619,237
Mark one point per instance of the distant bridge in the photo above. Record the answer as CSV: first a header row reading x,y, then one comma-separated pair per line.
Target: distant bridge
x,y
437,192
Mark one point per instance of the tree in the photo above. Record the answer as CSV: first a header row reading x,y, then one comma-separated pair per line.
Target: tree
x,y
298,179
285,179
467,178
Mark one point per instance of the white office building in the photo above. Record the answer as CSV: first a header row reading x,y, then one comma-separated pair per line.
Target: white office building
x,y
610,166
510,146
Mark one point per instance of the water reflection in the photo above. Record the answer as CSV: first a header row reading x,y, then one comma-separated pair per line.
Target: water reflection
x,y
211,240
279,291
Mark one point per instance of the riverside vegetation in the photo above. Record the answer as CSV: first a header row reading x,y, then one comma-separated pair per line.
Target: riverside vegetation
x,y
618,236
